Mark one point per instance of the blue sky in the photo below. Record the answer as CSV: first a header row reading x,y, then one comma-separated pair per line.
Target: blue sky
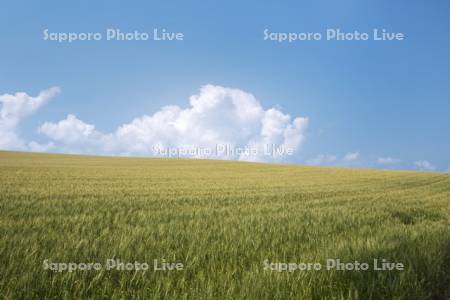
x,y
381,100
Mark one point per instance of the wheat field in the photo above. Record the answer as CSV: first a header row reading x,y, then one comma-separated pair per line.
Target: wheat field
x,y
223,221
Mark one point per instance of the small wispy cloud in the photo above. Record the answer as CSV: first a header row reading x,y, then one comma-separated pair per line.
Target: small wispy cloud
x,y
351,156
322,159
424,165
387,160
332,159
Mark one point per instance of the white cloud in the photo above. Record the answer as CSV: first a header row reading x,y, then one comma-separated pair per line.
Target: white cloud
x,y
327,159
424,165
352,156
37,147
14,108
70,131
322,159
387,160
216,117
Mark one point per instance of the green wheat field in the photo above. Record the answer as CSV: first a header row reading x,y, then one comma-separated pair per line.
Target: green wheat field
x,y
222,220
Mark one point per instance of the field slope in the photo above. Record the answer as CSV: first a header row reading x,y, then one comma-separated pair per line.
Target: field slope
x,y
222,220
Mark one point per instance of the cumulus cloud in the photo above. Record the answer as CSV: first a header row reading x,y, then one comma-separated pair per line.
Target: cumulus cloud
x,y
220,122
352,156
424,165
14,108
387,160
38,147
77,136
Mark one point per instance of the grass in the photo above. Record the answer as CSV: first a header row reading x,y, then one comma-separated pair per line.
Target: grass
x,y
221,220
